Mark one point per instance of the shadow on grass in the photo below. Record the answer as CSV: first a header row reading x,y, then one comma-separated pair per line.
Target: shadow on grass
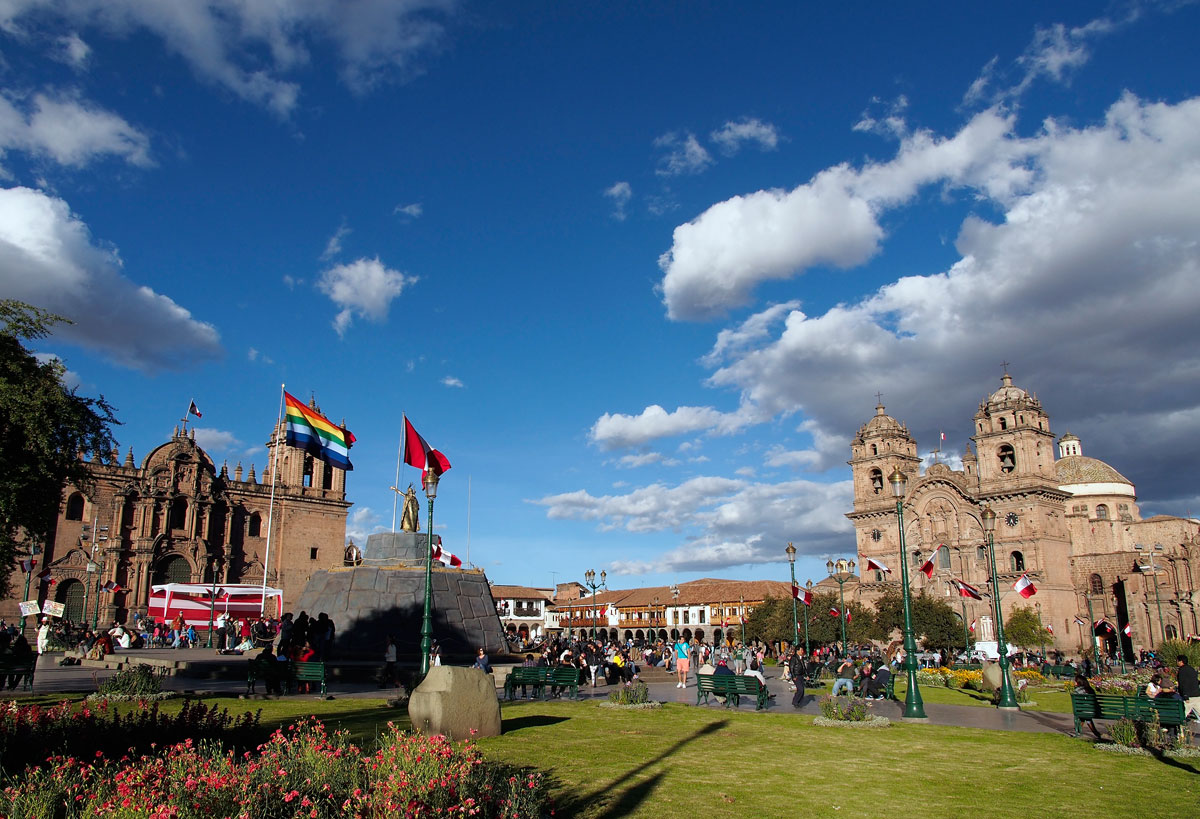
x,y
514,724
617,802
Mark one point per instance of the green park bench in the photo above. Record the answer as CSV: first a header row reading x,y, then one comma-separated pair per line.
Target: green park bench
x,y
812,678
542,679
565,677
1086,707
1061,672
732,687
272,672
11,666
306,673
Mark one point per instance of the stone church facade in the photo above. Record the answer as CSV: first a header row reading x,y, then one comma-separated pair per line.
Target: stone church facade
x,y
1071,523
179,518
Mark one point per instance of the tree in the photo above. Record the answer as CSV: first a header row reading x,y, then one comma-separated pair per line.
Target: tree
x,y
771,622
935,624
43,427
1023,628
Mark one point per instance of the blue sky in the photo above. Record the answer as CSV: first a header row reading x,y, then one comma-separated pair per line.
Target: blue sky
x,y
638,272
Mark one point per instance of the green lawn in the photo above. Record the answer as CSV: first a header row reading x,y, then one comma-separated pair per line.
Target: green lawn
x,y
1044,699
684,761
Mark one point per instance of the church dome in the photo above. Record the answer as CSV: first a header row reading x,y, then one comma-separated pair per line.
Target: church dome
x,y
882,422
1080,469
1007,392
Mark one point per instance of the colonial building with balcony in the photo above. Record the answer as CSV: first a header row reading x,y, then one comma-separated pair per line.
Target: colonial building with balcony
x,y
523,611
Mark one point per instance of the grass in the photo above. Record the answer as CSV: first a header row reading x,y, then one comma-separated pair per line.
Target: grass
x,y
681,761
1046,698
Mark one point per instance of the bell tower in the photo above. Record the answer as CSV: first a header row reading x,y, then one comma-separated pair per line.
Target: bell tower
x,y
881,445
1012,438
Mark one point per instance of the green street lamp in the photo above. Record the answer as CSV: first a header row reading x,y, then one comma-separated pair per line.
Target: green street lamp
x,y
1153,570
1041,629
590,579
431,483
742,617
841,572
914,708
1007,699
791,553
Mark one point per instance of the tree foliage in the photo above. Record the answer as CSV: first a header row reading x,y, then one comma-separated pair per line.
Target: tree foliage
x,y
43,427
935,623
1023,628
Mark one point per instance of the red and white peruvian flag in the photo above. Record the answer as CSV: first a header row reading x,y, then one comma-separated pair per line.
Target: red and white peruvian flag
x,y
973,622
876,566
833,612
1128,630
1024,587
112,586
447,559
927,566
847,615
1050,629
803,595
1079,621
966,589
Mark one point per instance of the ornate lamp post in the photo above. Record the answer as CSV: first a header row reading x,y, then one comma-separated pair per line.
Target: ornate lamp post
x,y
431,483
1041,629
675,605
1162,629
841,571
742,617
590,579
1007,698
914,707
791,553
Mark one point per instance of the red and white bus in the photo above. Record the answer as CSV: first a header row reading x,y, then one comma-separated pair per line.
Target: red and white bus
x,y
195,602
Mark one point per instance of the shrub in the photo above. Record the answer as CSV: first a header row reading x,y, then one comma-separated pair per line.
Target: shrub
x,y
30,734
636,694
136,681
299,772
1124,732
1170,650
848,709
930,677
1030,676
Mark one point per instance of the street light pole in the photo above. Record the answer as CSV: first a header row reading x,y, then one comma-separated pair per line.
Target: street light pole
x,y
590,578
1162,629
1041,629
742,617
841,572
791,553
914,707
1007,699
431,482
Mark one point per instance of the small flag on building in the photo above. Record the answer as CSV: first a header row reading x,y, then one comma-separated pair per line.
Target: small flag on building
x,y
193,410
847,616
973,622
966,589
803,595
1024,587
112,587
1079,621
1050,629
1128,630
876,566
44,577
833,612
27,564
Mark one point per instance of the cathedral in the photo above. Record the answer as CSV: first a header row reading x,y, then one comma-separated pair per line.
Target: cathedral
x,y
1070,523
178,518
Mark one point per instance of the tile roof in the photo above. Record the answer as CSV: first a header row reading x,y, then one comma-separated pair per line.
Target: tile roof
x,y
704,592
520,592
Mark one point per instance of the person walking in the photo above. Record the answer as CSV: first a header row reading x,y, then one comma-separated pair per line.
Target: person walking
x,y
682,661
796,669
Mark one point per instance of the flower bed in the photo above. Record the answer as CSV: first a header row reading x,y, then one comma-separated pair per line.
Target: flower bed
x,y
301,772
873,722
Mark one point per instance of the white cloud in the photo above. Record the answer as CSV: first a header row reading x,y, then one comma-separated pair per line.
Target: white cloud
x,y
413,210
48,258
361,524
451,381
633,461
72,50
216,440
729,522
684,155
254,354
615,431
249,47
70,378
732,135
620,194
1082,281
69,130
363,288
333,248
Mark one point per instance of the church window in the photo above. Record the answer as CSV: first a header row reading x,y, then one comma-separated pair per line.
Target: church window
x,y
328,477
308,471
1095,584
75,506
701,616
981,554
254,527
943,558
1172,632
1008,458
878,577
1017,561
1101,512
1003,423
874,449
312,553
172,569
876,481
178,518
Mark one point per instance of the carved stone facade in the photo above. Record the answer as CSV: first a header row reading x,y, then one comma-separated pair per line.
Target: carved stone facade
x,y
1072,525
178,518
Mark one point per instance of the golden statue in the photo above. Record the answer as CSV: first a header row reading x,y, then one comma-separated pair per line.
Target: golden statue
x,y
408,517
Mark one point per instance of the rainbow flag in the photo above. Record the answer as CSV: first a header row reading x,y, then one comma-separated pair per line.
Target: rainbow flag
x,y
311,431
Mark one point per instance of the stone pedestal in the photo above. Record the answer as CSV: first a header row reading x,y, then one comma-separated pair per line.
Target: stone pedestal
x,y
454,702
385,595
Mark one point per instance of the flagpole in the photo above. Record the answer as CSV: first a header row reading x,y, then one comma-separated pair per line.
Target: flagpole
x,y
186,413
396,494
469,522
271,507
